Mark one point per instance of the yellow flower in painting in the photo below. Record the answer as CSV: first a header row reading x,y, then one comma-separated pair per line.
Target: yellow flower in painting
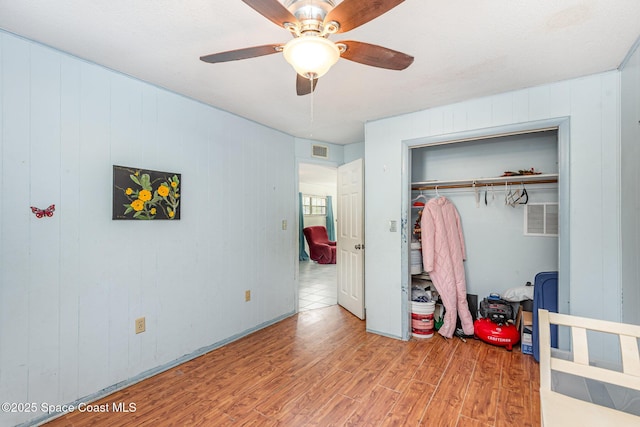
x,y
153,211
174,184
137,205
128,191
163,191
145,195
171,214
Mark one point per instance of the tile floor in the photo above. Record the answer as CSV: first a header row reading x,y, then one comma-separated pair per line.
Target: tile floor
x,y
318,285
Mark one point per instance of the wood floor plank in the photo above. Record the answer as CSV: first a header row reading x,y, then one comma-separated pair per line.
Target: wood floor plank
x,y
411,405
398,375
361,384
450,395
436,362
382,358
534,386
470,422
253,419
274,403
484,387
335,413
315,397
516,371
535,392
514,408
468,349
322,368
374,408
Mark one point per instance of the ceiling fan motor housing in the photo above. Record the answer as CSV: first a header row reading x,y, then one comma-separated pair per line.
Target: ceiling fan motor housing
x,y
311,17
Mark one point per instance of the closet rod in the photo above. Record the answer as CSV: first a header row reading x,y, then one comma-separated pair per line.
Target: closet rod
x,y
425,186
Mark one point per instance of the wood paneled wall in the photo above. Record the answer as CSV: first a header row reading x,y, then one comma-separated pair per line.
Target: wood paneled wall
x,y
72,285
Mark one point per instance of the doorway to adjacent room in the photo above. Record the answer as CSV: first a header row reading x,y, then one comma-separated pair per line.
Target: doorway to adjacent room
x,y
317,282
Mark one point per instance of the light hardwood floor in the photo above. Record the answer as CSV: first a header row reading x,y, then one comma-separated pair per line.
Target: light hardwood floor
x,y
321,368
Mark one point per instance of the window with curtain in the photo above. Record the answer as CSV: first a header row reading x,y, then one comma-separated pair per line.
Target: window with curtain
x,y
314,205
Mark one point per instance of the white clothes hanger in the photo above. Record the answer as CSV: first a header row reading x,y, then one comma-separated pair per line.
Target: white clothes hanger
x,y
486,194
506,193
417,198
477,194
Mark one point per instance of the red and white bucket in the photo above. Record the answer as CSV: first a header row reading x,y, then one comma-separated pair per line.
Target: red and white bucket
x,y
422,322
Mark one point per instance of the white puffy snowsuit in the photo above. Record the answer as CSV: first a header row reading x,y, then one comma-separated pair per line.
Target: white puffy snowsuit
x,y
443,253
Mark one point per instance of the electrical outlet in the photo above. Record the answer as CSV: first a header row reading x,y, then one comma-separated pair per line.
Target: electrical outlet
x,y
140,325
284,224
247,295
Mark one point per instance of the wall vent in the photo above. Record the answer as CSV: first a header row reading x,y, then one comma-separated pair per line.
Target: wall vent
x,y
320,151
541,219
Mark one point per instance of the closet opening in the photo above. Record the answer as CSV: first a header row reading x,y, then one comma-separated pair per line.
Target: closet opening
x,y
507,187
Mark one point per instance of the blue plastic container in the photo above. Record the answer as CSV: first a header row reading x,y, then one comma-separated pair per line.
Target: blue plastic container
x,y
545,295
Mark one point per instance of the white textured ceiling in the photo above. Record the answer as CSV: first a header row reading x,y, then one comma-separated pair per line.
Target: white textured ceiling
x,y
463,49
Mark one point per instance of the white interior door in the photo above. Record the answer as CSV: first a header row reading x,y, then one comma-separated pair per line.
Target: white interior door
x,y
350,237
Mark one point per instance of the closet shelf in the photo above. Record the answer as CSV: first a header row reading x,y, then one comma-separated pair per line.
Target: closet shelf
x,y
547,178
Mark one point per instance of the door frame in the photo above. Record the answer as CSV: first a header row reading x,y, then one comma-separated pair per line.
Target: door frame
x,y
562,125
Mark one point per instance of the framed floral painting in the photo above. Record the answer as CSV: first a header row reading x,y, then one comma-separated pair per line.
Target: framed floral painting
x,y
145,194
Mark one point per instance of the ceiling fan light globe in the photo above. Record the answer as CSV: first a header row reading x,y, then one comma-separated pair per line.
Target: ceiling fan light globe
x,y
311,56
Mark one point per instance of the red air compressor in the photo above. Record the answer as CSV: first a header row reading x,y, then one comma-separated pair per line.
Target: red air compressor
x,y
496,327
503,335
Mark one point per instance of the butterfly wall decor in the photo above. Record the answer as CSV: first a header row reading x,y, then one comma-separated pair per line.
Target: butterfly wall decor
x,y
40,213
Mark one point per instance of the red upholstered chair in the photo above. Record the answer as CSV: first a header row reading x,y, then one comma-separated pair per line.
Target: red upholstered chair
x,y
323,251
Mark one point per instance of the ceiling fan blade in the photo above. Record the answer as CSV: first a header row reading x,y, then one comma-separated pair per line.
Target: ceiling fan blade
x,y
375,56
248,52
353,13
304,86
273,10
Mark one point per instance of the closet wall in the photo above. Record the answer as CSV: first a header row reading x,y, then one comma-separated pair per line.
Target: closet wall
x,y
630,177
499,255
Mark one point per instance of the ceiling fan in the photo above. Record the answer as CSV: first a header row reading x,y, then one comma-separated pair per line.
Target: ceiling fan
x,y
311,22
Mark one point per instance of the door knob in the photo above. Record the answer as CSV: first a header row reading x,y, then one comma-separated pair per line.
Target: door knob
x,y
358,246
